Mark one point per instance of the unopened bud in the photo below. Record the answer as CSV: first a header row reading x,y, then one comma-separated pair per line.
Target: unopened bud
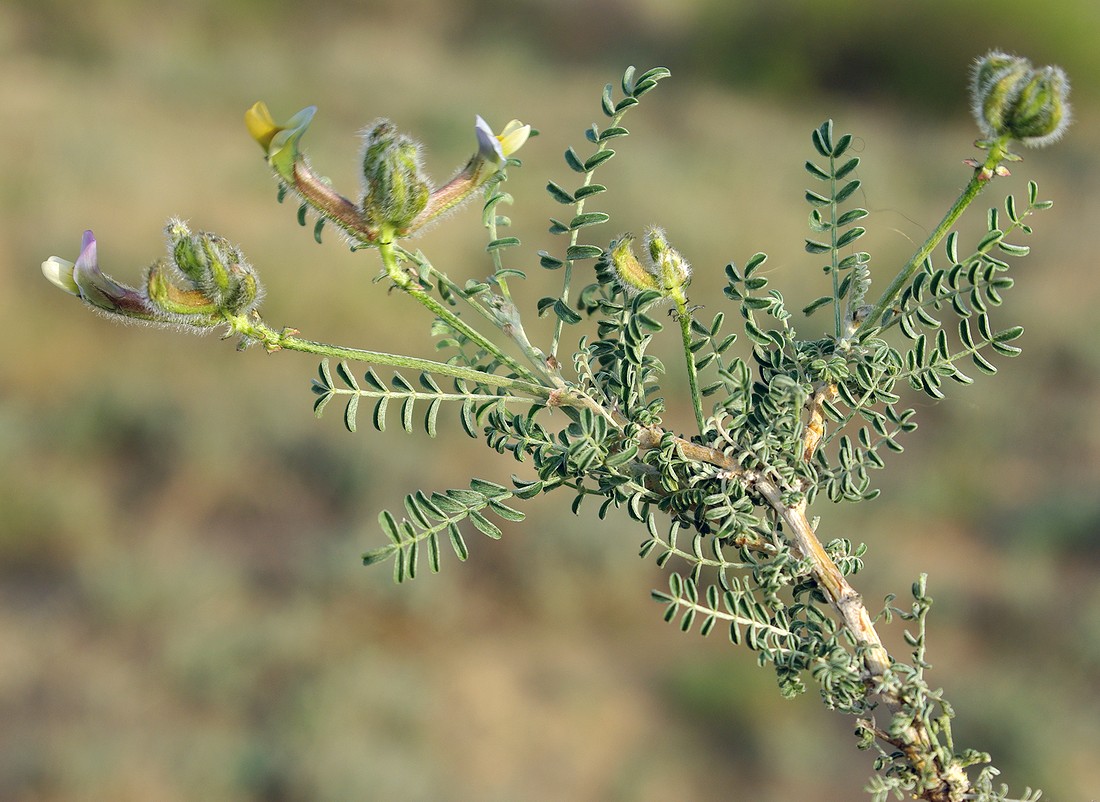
x,y
187,252
213,268
186,305
1040,114
994,87
247,290
395,188
664,270
632,276
1013,99
671,269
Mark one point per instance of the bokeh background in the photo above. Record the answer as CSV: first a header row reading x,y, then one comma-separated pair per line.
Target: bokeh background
x,y
183,614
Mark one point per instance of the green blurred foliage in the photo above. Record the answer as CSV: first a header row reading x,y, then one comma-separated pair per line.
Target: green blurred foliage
x,y
182,611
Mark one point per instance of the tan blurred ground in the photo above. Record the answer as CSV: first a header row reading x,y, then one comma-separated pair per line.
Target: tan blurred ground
x,y
182,610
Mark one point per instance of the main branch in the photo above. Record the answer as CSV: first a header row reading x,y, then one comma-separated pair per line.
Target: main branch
x,y
942,783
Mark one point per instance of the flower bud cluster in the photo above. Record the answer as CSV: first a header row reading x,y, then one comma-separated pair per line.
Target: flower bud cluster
x,y
395,190
664,271
1014,100
204,281
211,267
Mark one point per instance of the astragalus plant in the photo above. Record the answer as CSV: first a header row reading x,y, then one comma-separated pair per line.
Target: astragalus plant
x,y
793,410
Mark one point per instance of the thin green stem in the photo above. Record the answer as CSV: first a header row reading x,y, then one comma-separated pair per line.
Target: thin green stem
x,y
510,323
997,153
503,316
835,269
964,289
254,328
498,263
693,377
450,283
287,339
406,284
567,279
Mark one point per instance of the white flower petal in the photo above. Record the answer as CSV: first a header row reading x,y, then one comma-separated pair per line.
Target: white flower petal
x,y
513,137
60,273
488,145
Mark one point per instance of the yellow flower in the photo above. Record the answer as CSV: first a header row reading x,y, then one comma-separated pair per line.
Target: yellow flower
x,y
280,142
261,125
496,148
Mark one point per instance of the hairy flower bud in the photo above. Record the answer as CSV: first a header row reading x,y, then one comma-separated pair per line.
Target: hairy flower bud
x,y
664,270
187,252
1040,114
187,306
632,276
671,269
994,87
395,188
214,267
1013,99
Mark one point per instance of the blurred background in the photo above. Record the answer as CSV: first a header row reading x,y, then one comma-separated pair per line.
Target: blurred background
x,y
183,613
